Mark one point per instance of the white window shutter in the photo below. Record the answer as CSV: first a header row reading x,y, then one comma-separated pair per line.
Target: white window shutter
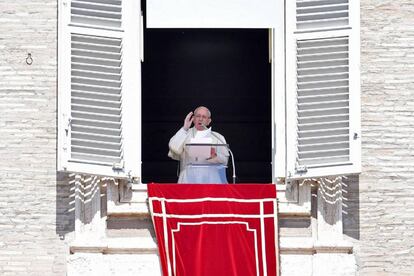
x,y
99,87
322,88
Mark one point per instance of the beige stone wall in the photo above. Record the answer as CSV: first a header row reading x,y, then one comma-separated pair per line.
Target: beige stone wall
x,y
380,212
34,218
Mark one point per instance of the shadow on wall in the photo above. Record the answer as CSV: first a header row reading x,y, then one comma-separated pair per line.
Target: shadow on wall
x,y
350,206
88,195
331,191
65,204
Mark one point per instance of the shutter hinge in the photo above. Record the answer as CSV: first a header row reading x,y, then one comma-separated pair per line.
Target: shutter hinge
x,y
132,180
68,125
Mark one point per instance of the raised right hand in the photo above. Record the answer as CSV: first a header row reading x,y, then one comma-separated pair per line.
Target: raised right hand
x,y
188,121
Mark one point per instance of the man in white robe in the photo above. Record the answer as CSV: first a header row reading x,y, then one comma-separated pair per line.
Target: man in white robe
x,y
212,171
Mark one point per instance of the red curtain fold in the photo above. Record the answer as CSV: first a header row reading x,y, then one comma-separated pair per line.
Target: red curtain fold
x,y
209,229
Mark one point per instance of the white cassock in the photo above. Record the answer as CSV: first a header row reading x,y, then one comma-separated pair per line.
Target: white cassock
x,y
202,174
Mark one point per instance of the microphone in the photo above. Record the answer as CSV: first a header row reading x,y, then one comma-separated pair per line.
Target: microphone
x,y
228,148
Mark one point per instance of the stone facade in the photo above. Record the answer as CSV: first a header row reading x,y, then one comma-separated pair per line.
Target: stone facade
x,y
34,215
383,203
37,217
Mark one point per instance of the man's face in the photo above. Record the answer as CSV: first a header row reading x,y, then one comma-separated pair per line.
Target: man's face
x,y
201,117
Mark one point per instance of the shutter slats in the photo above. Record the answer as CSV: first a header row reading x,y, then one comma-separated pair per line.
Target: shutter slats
x,y
322,112
97,96
315,47
97,13
101,2
95,116
325,23
322,101
98,46
97,55
95,81
319,43
96,110
95,75
94,144
95,88
97,105
94,68
314,106
322,126
96,101
333,161
96,62
310,3
324,153
321,14
91,11
99,52
308,79
306,15
321,64
323,84
98,5
322,98
96,130
327,118
325,132
323,139
96,151
90,21
304,58
96,40
96,123
99,138
323,70
320,8
323,146
323,90
95,158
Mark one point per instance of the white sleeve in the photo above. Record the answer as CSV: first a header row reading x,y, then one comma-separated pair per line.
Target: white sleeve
x,y
177,142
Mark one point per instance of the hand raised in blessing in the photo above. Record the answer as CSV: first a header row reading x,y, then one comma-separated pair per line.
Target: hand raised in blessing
x,y
188,121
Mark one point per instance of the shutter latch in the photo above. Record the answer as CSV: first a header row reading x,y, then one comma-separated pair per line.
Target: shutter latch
x,y
118,166
301,169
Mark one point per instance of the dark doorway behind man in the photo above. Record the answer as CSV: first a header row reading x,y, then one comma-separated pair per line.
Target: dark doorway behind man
x,y
227,70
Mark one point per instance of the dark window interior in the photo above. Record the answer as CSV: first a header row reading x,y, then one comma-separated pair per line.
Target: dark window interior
x,y
226,70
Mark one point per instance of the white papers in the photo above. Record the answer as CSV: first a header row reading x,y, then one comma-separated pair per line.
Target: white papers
x,y
202,133
199,153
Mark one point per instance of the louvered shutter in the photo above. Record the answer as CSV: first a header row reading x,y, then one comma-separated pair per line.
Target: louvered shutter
x,y
99,87
322,88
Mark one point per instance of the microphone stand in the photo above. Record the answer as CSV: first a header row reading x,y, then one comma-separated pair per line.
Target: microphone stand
x,y
231,153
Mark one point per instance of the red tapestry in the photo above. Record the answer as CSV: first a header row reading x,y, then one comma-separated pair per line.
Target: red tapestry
x,y
214,230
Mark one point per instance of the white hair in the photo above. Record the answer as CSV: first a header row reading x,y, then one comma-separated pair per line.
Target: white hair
x,y
208,110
